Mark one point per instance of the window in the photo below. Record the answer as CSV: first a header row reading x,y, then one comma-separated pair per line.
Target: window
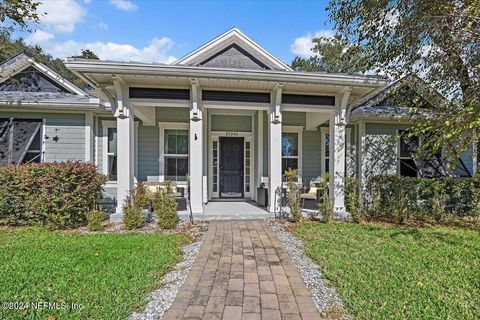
x,y
175,154
406,162
290,151
247,166
112,154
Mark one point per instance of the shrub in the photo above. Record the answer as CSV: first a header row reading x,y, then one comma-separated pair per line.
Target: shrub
x,y
141,196
165,206
354,199
402,198
94,221
293,194
132,214
58,194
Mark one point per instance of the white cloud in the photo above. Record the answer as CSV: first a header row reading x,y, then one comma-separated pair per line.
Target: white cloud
x,y
302,46
124,5
156,51
61,15
103,26
39,37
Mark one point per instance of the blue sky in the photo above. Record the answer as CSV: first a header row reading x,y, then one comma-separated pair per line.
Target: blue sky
x,y
160,31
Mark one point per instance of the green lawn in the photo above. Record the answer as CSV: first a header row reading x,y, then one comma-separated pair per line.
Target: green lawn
x,y
386,272
107,274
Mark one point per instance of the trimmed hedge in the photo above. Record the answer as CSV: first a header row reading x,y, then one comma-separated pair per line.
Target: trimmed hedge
x,y
53,194
406,197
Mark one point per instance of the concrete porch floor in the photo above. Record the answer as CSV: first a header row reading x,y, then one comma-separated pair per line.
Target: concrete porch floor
x,y
229,210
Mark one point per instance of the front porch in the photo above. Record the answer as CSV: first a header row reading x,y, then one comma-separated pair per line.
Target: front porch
x,y
236,158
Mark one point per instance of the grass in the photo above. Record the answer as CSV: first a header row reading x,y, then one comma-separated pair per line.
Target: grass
x,y
385,272
107,274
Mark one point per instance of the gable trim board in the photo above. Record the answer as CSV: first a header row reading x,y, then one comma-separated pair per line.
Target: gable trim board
x,y
8,69
232,36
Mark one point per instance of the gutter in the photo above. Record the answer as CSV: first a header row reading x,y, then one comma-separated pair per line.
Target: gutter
x,y
126,68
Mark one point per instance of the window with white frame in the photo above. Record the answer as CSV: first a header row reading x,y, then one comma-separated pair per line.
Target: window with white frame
x,y
292,148
175,154
112,154
110,149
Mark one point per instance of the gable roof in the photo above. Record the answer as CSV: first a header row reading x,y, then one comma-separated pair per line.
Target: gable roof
x,y
25,82
387,103
22,61
233,49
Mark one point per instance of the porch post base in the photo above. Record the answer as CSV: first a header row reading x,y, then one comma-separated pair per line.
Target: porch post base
x,y
341,214
116,217
197,209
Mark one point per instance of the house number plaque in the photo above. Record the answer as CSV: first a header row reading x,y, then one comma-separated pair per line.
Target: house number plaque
x,y
231,134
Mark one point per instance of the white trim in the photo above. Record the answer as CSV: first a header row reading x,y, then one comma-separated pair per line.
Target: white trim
x,y
89,137
361,150
40,67
259,148
106,124
43,140
299,131
162,126
348,144
228,38
216,135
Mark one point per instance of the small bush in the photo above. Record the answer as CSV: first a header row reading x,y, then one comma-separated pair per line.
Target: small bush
x,y
141,196
132,214
94,221
293,194
58,194
165,206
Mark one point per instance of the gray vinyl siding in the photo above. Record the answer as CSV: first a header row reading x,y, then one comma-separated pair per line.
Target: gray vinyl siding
x,y
171,114
380,154
290,118
231,123
148,151
311,159
69,128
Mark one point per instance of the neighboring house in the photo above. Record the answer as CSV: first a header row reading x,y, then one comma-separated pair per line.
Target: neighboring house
x,y
228,117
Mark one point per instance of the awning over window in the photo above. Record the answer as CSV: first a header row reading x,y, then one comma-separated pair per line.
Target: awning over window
x,y
16,137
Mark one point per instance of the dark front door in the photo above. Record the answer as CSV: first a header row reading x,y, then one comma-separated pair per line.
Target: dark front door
x,y
231,167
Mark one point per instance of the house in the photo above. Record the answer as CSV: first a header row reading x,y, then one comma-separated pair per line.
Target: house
x,y
227,119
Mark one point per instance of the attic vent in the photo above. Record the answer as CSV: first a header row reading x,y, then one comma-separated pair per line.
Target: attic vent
x,y
235,96
160,93
308,99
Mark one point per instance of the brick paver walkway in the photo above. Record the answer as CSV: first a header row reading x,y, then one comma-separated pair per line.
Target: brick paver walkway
x,y
243,272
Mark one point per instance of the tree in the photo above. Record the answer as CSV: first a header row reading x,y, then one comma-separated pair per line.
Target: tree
x,y
18,12
10,47
332,54
87,54
437,40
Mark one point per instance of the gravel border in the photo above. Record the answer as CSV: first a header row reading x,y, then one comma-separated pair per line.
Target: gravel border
x,y
324,295
161,299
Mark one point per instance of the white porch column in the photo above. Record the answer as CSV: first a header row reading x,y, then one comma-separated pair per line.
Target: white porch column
x,y
125,146
196,151
275,151
337,152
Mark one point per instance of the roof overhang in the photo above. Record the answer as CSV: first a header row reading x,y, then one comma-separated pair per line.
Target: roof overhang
x,y
100,74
